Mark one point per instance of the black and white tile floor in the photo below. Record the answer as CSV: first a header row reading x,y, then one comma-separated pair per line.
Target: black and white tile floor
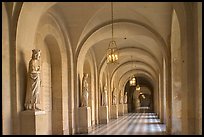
x,y
131,124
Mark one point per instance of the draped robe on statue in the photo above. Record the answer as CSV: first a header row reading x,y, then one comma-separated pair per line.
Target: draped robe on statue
x,y
33,85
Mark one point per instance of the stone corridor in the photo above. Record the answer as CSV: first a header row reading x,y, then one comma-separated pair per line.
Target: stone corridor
x,y
102,68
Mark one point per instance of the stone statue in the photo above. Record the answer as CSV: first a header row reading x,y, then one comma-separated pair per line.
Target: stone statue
x,y
104,96
138,103
125,98
121,97
114,97
85,88
33,83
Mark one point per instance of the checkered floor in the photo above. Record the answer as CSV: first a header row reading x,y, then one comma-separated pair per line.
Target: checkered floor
x,y
131,124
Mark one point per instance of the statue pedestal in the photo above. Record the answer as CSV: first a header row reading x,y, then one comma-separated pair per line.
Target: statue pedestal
x,y
104,115
32,122
114,111
125,108
121,110
84,119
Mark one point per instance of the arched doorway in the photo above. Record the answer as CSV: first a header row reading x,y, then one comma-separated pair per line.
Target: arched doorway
x,y
140,98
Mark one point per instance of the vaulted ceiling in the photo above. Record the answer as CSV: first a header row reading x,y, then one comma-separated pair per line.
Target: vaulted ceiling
x,y
141,30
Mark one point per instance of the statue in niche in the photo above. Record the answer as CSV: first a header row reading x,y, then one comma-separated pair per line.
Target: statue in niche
x,y
114,97
104,96
121,97
33,85
85,88
125,98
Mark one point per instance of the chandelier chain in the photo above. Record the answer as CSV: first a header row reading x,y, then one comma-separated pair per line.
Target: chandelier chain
x,y
112,18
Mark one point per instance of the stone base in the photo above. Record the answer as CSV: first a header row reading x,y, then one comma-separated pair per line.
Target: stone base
x,y
84,130
103,115
121,110
32,122
114,111
66,132
125,108
84,119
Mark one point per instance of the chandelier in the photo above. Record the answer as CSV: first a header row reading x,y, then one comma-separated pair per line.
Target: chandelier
x,y
132,81
112,52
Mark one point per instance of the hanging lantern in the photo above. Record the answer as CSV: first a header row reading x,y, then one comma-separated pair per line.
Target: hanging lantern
x,y
112,51
138,86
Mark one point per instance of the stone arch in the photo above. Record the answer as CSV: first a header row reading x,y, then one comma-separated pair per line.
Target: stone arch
x,y
48,25
140,65
100,19
117,82
142,73
134,95
190,58
135,50
89,68
138,72
81,50
86,44
130,62
56,82
27,36
27,24
138,54
63,34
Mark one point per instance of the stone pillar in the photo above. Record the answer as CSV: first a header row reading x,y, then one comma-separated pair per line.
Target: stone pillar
x,y
33,122
121,109
114,111
104,115
84,119
125,108
176,77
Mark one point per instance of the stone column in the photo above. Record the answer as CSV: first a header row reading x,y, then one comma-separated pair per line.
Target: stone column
x,y
176,75
33,122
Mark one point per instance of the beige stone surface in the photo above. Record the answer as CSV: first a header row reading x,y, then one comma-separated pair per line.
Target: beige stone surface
x,y
74,37
120,109
114,111
176,77
6,74
84,119
104,119
33,122
125,108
